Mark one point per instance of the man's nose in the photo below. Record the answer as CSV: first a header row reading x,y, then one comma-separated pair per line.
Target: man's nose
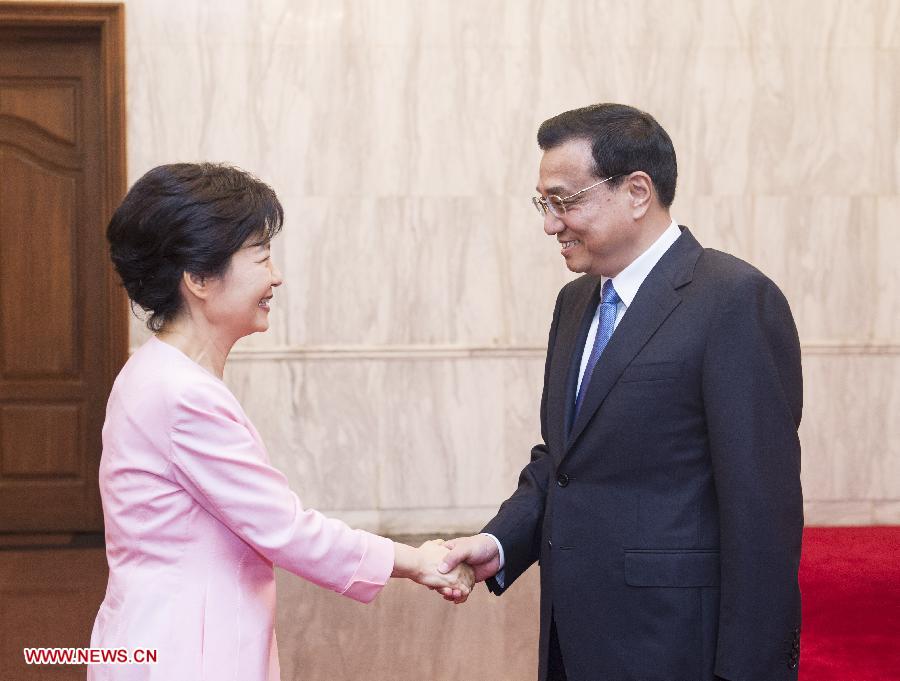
x,y
552,224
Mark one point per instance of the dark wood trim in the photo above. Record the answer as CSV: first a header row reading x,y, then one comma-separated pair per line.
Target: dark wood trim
x,y
52,540
90,14
113,55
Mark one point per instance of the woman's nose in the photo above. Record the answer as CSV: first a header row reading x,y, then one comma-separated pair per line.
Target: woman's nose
x,y
277,278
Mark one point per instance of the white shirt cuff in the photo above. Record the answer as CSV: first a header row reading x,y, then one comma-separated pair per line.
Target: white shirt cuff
x,y
500,577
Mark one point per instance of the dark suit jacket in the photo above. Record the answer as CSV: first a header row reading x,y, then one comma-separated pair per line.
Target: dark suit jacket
x,y
667,518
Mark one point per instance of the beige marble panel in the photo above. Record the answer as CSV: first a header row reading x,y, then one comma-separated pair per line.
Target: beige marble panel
x,y
459,431
448,520
720,222
418,271
395,434
747,23
762,120
813,126
328,119
888,18
841,513
826,254
886,310
834,257
193,21
437,118
886,512
850,513
716,103
850,432
508,23
407,634
496,286
320,422
888,113
395,121
441,434
188,102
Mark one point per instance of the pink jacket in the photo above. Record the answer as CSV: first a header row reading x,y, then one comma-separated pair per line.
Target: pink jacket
x,y
195,519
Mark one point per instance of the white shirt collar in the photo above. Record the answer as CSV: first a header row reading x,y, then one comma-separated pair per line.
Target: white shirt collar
x,y
628,281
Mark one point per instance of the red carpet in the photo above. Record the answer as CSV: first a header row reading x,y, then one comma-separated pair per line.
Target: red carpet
x,y
850,580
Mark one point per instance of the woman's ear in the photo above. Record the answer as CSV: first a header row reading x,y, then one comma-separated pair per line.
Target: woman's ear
x,y
195,284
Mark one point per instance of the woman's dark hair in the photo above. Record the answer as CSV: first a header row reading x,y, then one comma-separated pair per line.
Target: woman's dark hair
x,y
623,140
186,217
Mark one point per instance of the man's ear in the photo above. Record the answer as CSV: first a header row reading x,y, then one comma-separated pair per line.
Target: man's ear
x,y
195,284
640,190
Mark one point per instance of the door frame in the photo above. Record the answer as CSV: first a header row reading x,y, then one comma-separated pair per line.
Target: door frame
x,y
108,19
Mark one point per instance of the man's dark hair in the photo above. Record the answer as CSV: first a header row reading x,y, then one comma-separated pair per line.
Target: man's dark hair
x,y
623,140
186,217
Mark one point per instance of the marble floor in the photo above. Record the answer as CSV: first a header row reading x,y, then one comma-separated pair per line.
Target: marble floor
x,y
48,598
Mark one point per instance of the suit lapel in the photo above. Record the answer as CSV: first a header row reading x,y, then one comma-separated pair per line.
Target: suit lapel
x,y
655,300
570,341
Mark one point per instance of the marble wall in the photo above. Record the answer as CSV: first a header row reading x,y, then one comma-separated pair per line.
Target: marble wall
x,y
399,384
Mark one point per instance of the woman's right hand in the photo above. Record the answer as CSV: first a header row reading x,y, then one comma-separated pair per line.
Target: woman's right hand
x,y
421,565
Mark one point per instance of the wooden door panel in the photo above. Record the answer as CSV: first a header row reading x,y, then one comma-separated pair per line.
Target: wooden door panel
x,y
38,329
49,105
32,143
48,431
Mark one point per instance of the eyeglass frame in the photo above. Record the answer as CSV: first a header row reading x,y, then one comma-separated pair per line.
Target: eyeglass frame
x,y
544,204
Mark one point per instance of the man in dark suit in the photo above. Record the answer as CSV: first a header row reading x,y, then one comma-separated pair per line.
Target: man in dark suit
x,y
664,503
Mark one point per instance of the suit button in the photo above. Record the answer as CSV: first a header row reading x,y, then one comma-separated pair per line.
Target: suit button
x,y
562,479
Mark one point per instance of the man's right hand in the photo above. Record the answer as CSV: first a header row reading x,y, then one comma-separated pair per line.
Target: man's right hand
x,y
480,552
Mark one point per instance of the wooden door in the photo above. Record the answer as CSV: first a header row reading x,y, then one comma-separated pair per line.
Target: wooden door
x,y
63,325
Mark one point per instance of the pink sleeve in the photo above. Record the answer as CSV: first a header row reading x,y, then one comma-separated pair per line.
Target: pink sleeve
x,y
215,457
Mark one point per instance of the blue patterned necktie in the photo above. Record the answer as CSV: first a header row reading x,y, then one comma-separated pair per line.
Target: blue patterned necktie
x,y
609,302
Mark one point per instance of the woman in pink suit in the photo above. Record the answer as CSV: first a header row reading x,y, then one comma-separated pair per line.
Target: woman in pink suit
x,y
196,517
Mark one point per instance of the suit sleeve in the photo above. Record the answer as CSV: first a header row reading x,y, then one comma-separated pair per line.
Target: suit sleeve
x,y
752,387
217,460
517,524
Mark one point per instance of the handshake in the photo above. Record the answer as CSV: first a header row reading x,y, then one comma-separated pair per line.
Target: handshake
x,y
450,567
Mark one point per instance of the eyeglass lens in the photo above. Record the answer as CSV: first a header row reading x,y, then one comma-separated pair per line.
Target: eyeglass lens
x,y
552,203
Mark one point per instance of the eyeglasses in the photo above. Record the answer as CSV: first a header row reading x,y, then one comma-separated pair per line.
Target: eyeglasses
x,y
557,205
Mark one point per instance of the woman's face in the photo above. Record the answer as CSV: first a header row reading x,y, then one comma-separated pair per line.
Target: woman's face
x,y
238,303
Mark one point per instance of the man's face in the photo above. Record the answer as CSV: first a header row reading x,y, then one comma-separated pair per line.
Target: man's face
x,y
596,232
